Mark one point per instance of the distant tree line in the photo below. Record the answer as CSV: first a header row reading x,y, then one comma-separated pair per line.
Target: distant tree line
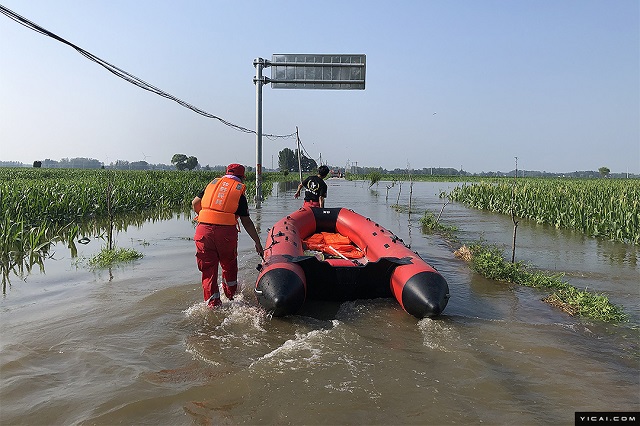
x,y
446,171
182,162
288,162
92,163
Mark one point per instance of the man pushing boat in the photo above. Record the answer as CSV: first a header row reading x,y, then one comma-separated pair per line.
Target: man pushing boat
x,y
218,209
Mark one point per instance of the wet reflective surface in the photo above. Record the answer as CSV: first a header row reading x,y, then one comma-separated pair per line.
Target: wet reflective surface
x,y
134,344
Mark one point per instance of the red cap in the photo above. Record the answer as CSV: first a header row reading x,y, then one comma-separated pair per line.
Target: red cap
x,y
236,170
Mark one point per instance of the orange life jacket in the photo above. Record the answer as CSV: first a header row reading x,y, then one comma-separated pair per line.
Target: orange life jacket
x,y
220,201
332,244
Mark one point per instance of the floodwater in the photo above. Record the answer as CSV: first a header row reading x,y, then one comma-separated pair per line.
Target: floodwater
x,y
134,344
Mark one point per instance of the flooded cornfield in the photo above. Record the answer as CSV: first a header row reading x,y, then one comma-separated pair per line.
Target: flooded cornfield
x,y
134,344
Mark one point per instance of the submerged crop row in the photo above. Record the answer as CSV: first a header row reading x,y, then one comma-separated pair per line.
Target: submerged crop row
x,y
70,195
41,206
607,208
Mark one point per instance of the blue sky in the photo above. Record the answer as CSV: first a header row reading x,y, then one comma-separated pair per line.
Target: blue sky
x,y
555,83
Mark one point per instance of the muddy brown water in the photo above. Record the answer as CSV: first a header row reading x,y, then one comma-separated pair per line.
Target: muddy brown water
x,y
134,344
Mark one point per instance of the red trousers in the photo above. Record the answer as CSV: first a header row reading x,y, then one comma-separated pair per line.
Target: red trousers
x,y
311,204
216,244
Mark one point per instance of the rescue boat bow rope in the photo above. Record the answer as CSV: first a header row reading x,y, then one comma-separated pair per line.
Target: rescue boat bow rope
x,y
273,239
128,76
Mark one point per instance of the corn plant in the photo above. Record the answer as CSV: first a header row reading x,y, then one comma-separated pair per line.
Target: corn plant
x,y
606,208
41,206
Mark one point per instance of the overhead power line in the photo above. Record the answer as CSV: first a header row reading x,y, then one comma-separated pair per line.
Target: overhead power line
x,y
304,150
126,75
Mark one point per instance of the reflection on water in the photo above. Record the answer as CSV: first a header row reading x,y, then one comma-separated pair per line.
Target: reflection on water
x,y
284,187
20,264
618,253
16,261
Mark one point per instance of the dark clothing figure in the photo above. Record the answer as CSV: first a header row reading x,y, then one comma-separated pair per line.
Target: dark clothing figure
x,y
315,188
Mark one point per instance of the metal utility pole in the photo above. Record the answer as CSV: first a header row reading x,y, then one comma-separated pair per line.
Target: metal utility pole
x,y
299,154
258,80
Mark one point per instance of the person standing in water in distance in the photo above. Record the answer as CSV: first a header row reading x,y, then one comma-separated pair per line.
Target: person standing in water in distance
x,y
218,208
315,188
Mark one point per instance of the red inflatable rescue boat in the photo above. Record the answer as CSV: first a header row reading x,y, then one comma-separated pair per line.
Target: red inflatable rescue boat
x,y
359,260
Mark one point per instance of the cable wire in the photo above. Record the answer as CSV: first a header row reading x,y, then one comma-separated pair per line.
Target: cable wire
x,y
305,152
128,76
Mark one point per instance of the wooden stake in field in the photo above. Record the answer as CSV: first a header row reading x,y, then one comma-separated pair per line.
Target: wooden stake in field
x,y
513,214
